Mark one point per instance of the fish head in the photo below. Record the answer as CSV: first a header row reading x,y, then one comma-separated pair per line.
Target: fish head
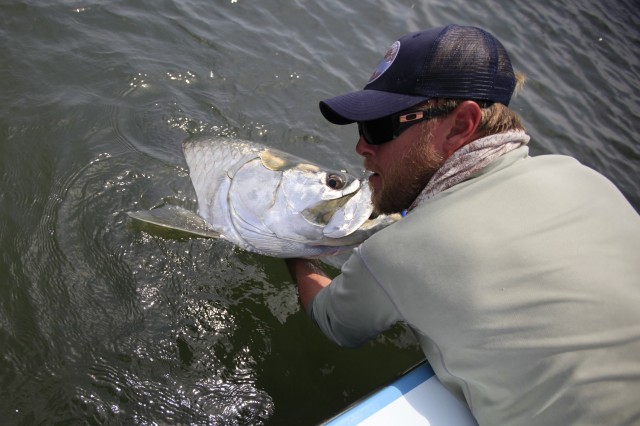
x,y
320,202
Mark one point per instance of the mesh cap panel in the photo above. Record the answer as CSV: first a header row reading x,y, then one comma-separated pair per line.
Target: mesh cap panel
x,y
468,63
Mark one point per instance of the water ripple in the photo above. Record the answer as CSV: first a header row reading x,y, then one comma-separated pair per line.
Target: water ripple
x,y
103,322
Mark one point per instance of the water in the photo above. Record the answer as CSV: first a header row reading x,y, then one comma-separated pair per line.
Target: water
x,y
102,323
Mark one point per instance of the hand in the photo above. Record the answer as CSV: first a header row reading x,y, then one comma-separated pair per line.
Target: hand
x,y
309,277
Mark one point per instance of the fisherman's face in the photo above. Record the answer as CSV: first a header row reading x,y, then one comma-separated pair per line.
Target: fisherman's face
x,y
401,167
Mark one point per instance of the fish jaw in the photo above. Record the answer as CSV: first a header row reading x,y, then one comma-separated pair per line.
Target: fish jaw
x,y
308,203
352,215
355,222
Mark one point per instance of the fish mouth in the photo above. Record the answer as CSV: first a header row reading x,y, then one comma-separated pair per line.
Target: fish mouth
x,y
367,173
323,212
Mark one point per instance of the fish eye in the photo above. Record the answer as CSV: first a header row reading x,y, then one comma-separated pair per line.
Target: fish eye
x,y
335,181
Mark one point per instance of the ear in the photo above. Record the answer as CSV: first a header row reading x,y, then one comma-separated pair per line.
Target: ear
x,y
464,122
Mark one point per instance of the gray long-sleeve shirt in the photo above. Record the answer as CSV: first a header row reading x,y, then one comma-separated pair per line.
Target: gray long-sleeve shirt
x,y
522,286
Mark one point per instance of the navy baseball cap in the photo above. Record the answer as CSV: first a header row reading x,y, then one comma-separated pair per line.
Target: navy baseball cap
x,y
451,62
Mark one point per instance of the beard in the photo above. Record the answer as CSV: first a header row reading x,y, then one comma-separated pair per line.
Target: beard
x,y
403,182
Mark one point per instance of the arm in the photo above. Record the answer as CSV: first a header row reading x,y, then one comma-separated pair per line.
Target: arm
x,y
309,277
353,308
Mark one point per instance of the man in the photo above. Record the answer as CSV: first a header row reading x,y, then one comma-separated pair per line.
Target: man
x,y
518,275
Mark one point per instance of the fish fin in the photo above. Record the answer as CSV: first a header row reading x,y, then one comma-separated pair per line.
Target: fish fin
x,y
176,218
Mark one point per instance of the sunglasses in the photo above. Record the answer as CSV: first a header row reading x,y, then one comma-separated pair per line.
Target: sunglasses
x,y
385,129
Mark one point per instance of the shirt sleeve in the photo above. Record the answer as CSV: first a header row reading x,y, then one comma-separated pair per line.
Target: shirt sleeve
x,y
355,307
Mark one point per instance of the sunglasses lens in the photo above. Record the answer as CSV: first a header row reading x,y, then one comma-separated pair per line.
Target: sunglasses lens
x,y
377,132
385,129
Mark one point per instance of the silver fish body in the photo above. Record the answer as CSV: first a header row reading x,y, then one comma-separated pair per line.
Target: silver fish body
x,y
273,203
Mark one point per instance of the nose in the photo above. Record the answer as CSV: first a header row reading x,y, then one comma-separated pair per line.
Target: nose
x,y
363,148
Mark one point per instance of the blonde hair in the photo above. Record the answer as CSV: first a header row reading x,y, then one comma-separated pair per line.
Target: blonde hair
x,y
498,118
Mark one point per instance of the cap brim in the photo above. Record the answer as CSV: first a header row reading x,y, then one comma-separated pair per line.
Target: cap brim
x,y
365,105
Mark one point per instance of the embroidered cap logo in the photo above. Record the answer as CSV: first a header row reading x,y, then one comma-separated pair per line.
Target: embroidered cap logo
x,y
386,61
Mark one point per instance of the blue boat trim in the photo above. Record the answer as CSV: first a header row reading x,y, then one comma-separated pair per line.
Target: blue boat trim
x,y
369,405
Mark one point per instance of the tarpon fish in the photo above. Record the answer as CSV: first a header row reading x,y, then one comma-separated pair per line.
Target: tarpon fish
x,y
270,202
